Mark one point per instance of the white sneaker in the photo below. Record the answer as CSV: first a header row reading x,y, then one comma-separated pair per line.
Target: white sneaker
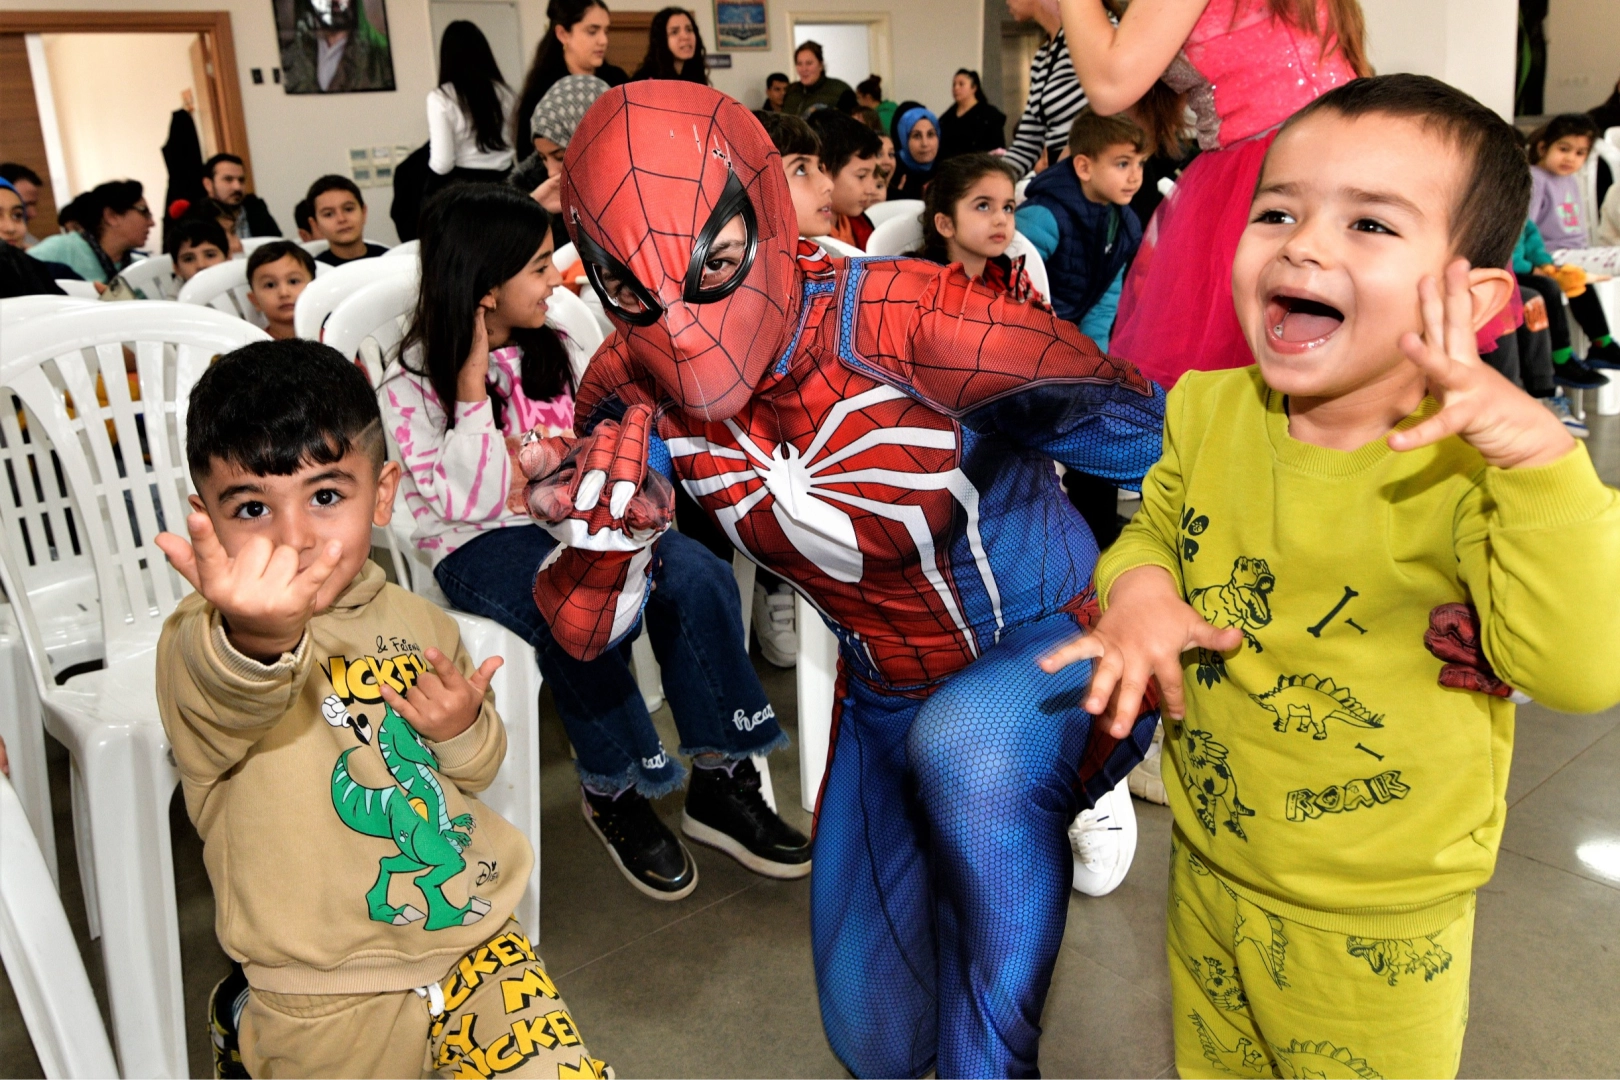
x,y
1559,407
775,626
1146,781
1104,843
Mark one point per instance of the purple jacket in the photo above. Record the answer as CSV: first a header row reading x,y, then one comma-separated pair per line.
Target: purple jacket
x,y
1555,207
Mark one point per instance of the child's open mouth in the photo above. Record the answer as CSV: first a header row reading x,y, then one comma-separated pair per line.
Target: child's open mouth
x,y
1301,321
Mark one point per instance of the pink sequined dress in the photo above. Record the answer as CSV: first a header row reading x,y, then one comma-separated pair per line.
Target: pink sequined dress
x,y
1244,72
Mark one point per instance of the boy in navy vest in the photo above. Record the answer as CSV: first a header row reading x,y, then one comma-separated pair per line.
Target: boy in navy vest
x,y
1078,216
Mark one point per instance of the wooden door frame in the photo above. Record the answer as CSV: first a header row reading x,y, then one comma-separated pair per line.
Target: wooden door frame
x,y
213,26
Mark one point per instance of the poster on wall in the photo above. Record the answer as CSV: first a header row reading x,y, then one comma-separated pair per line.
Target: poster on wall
x,y
334,46
741,26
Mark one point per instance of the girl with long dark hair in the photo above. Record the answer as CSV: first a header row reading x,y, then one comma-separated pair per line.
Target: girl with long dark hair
x,y
674,49
467,111
575,43
481,369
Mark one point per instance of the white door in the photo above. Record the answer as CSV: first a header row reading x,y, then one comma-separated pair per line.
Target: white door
x,y
498,19
847,47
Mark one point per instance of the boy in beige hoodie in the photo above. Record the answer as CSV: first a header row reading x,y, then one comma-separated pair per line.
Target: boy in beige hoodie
x,y
332,733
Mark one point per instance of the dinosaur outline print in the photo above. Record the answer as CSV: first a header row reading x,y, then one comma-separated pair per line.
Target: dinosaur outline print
x,y
1242,601
413,814
1310,701
1242,1059
1322,1059
1394,957
1210,783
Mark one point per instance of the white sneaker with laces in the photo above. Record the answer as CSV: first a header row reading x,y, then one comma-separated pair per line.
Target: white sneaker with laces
x,y
1559,406
1146,781
775,626
1104,843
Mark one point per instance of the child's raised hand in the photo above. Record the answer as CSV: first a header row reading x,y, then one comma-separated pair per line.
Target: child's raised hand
x,y
442,703
1506,425
266,600
1142,635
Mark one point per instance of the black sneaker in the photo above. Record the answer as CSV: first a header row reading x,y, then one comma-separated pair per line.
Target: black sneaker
x,y
224,1017
1573,373
1604,356
643,848
724,809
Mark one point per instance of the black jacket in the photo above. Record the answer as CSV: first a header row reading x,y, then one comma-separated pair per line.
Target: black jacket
x,y
260,223
983,128
1087,258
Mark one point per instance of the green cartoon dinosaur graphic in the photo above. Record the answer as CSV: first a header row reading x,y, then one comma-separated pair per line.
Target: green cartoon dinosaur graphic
x,y
1310,701
1210,784
413,815
1322,1059
1244,601
1242,1060
1394,957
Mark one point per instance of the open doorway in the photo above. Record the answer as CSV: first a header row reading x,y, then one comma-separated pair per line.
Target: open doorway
x,y
855,45
89,97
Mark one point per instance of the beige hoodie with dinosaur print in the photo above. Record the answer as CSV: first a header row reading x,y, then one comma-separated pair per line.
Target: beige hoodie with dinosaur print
x,y
348,854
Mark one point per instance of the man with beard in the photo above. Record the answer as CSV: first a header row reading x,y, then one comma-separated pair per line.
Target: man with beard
x,y
240,213
335,49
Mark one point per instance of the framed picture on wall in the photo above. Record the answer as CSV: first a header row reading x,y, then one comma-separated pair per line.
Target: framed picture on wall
x,y
740,26
334,46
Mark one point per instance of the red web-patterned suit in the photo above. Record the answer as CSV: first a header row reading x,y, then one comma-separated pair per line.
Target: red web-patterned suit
x,y
881,434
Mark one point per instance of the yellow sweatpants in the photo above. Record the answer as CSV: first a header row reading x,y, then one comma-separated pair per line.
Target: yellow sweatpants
x,y
502,1017
1256,994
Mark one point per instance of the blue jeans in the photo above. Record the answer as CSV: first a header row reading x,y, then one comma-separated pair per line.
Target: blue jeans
x,y
942,859
694,622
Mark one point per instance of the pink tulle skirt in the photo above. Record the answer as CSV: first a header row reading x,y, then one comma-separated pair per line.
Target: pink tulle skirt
x,y
1175,312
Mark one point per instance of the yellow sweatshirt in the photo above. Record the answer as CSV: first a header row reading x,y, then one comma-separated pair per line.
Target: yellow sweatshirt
x,y
1321,766
348,855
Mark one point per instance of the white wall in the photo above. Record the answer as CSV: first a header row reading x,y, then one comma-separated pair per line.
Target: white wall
x,y
1470,44
117,136
1583,53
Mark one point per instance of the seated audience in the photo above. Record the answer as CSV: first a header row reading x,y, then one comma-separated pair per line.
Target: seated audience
x,y
27,184
815,89
915,132
113,221
193,243
1559,286
968,219
340,220
277,274
1557,152
1078,215
19,274
481,369
776,85
259,693
674,49
304,216
240,213
552,126
849,154
467,112
869,95
971,125
808,182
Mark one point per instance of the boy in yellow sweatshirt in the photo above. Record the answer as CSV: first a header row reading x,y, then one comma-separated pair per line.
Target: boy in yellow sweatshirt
x,y
332,735
1347,560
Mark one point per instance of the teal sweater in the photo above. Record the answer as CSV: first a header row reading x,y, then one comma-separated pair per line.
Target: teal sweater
x,y
1530,252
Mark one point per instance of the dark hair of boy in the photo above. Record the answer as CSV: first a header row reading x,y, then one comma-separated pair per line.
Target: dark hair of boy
x,y
194,231
217,159
333,182
1091,134
273,407
1563,126
276,250
775,77
842,138
474,238
468,66
789,133
1493,194
12,172
869,116
304,215
951,183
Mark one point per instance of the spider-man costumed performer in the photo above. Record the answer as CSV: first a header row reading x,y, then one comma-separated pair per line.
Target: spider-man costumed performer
x,y
880,433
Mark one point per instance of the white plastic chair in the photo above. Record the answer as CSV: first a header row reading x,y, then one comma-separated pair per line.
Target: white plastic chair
x,y
895,236
564,256
253,243
837,247
878,213
223,287
42,959
1021,191
1034,265
79,290
574,319
122,776
329,289
408,248
154,278
315,247
367,325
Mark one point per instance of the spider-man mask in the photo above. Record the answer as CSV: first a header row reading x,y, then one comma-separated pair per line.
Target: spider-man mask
x,y
677,202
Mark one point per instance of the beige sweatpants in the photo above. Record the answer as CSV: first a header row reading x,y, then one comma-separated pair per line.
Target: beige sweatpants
x,y
502,1017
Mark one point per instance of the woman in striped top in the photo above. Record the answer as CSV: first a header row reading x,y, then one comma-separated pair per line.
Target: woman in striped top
x,y
1055,96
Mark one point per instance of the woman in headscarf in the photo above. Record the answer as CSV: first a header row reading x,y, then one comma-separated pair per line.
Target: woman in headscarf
x,y
916,145
551,125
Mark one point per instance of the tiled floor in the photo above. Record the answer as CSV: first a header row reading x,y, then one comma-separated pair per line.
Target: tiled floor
x,y
721,984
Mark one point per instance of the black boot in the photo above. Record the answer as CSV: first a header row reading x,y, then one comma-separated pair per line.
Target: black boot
x,y
225,1004
643,848
725,809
